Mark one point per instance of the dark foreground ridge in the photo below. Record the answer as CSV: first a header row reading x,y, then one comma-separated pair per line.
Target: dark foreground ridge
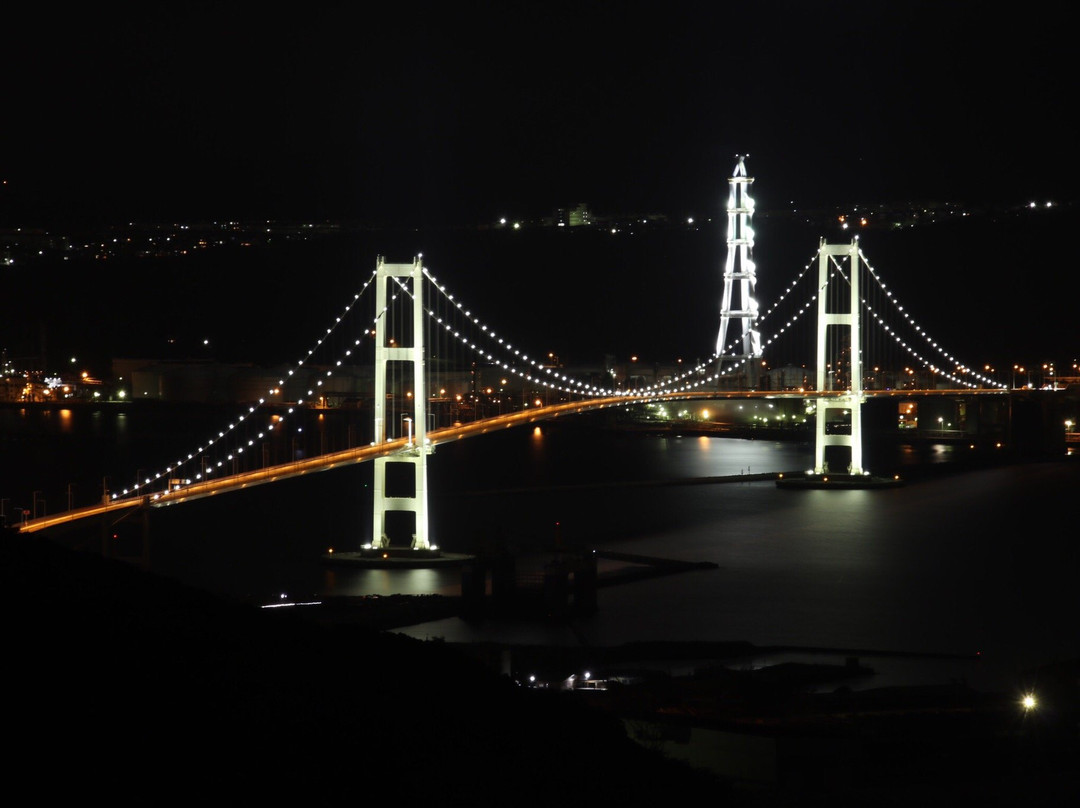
x,y
133,686
130,685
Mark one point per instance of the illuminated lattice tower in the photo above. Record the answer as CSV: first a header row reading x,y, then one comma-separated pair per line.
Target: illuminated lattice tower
x,y
416,447
739,273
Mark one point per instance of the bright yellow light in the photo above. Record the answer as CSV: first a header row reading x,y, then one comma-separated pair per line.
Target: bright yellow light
x,y
1028,702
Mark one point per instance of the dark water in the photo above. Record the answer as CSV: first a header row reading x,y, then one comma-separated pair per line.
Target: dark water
x,y
976,563
983,561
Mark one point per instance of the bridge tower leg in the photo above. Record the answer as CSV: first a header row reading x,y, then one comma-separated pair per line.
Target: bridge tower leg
x,y
852,398
405,277
740,273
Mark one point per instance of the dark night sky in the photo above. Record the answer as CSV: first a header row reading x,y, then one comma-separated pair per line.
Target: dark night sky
x,y
459,112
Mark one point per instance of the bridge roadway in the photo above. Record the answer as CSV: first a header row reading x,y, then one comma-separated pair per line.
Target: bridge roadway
x,y
283,471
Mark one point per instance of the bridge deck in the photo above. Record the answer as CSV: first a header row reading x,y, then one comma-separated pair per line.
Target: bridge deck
x,y
269,474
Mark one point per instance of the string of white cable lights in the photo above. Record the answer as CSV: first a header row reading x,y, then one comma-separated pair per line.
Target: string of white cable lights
x,y
929,340
745,360
195,456
577,387
734,368
791,321
837,269
888,330
545,376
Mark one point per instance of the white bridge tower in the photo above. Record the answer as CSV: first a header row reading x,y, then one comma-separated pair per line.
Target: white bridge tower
x,y
407,278
850,397
740,272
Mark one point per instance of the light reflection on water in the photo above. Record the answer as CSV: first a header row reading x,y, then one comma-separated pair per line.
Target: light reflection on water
x,y
353,582
966,564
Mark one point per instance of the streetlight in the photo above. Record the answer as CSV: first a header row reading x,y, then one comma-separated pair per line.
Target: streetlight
x,y
1016,368
1048,369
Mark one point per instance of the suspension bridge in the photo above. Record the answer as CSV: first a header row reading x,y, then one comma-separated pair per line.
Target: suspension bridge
x,y
426,369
